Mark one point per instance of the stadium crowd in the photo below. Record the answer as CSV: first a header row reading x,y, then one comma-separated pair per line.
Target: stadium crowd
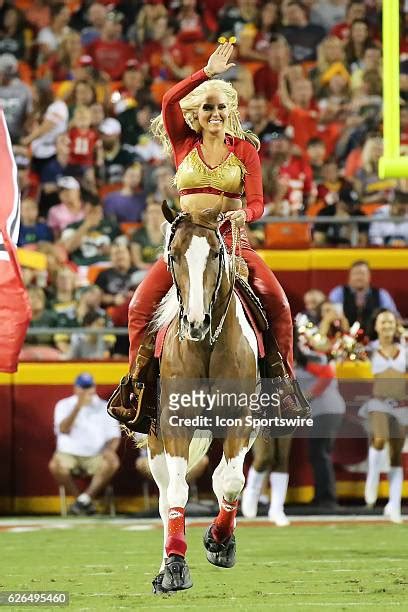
x,y
80,83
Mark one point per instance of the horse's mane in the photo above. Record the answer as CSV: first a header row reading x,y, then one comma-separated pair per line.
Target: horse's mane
x,y
168,307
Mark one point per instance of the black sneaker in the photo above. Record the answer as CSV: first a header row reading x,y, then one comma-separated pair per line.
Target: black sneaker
x,y
79,508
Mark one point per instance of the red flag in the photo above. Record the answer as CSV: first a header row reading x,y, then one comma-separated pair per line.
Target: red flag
x,y
15,311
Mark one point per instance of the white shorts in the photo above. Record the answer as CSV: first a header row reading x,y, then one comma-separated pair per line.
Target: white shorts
x,y
387,406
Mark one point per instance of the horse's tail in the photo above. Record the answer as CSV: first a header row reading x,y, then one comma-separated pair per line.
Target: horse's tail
x,y
199,446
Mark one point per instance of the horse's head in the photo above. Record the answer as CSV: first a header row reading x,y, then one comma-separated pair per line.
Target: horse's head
x,y
196,258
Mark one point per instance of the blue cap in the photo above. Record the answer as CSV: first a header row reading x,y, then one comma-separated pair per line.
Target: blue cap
x,y
85,381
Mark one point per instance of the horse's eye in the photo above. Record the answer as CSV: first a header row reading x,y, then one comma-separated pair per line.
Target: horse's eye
x,y
215,254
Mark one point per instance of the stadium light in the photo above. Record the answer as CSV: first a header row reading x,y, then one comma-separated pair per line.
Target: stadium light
x,y
391,164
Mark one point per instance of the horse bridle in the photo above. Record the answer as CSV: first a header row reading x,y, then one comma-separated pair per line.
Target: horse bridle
x,y
221,261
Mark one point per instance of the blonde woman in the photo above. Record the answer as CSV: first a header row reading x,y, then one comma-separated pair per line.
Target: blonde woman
x,y
387,420
370,187
200,125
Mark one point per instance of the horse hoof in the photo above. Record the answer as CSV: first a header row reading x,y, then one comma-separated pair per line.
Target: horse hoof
x,y
221,554
176,575
157,584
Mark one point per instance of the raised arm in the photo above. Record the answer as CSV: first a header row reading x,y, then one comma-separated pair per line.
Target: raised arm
x,y
173,119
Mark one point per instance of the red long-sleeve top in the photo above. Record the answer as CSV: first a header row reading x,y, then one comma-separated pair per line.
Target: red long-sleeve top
x,y
184,139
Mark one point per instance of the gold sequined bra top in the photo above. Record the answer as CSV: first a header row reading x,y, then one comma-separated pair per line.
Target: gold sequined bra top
x,y
194,176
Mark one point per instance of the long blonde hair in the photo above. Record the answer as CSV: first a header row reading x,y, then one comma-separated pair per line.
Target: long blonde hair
x,y
190,105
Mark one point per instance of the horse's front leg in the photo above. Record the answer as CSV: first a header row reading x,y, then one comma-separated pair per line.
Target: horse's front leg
x,y
158,468
176,572
219,539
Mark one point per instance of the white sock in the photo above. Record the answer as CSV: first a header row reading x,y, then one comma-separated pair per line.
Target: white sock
x,y
84,498
279,487
395,479
375,461
255,480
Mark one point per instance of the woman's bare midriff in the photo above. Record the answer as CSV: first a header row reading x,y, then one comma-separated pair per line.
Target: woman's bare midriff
x,y
196,202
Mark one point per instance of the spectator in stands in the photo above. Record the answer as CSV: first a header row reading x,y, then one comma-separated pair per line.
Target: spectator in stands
x,y
87,444
118,281
70,208
28,181
114,158
146,244
330,56
15,97
83,93
41,317
109,52
357,43
371,61
292,173
133,81
356,10
313,299
32,230
142,30
392,233
316,153
254,42
88,241
277,56
341,202
92,345
328,13
50,120
62,298
128,204
164,188
50,37
95,17
63,62
370,187
258,121
167,58
52,171
234,17
14,33
359,298
191,25
90,300
302,36
83,143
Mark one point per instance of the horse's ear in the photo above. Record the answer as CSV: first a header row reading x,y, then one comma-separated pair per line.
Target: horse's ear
x,y
212,215
168,213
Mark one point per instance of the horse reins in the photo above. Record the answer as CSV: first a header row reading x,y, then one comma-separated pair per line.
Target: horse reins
x,y
236,241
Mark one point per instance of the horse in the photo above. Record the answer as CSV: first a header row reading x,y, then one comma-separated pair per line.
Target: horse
x,y
208,338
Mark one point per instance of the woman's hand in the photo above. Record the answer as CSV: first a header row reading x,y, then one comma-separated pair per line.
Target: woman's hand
x,y
239,216
218,61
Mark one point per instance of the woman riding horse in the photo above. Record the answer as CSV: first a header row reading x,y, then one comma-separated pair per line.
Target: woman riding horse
x,y
214,155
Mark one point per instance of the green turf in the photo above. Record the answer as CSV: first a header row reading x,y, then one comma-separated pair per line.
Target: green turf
x,y
335,567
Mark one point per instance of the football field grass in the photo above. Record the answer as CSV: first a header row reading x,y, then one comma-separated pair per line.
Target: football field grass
x,y
110,565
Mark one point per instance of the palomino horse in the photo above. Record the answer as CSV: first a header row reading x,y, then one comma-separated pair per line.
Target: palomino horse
x,y
208,338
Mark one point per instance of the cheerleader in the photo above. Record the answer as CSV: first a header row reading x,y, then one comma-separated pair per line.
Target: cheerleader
x,y
386,418
270,456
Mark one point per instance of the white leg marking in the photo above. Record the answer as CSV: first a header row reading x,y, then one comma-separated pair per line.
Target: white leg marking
x,y
177,490
233,476
217,480
158,468
196,255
